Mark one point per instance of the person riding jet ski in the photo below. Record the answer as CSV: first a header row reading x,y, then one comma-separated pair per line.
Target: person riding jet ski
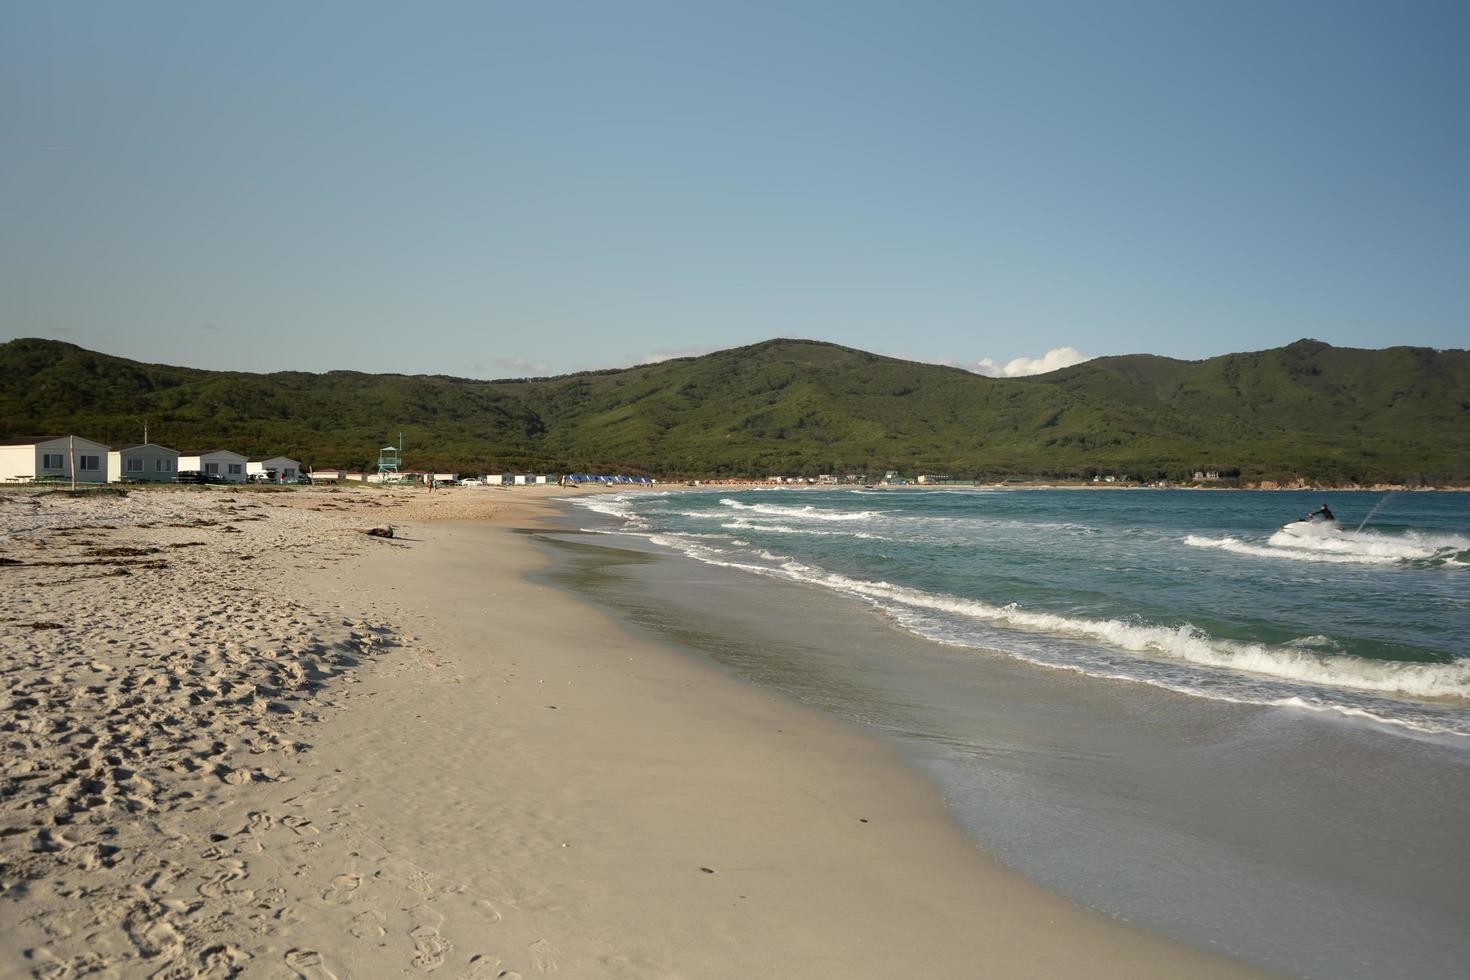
x,y
1324,512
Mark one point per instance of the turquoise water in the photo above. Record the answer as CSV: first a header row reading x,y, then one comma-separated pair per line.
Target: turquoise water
x,y
1250,742
1197,592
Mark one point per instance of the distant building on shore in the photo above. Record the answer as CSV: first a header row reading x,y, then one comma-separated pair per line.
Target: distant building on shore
x,y
147,462
53,458
223,463
273,469
1206,476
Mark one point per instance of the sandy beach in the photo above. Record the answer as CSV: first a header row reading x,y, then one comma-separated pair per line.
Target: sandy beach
x,y
243,738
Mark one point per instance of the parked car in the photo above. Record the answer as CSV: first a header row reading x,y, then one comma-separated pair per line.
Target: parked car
x,y
194,476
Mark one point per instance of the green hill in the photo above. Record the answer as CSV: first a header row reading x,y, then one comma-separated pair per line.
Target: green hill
x,y
791,406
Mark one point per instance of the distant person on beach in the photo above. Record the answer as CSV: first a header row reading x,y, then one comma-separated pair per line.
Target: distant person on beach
x,y
1323,512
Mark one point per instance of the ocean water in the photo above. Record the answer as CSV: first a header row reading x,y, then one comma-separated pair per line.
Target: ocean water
x,y
1153,702
1200,593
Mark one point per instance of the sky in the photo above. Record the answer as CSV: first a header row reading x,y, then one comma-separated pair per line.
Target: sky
x,y
497,189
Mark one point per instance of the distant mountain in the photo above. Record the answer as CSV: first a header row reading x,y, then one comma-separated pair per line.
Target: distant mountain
x,y
800,407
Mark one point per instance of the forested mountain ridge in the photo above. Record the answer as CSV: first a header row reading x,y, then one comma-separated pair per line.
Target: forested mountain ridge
x,y
799,407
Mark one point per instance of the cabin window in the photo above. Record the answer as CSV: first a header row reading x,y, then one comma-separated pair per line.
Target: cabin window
x,y
211,467
89,462
135,466
163,465
236,469
53,461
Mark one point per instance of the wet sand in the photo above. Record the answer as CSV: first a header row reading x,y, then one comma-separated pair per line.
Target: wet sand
x,y
1313,845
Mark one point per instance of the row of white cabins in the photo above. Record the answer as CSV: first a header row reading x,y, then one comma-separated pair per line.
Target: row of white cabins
x,y
61,457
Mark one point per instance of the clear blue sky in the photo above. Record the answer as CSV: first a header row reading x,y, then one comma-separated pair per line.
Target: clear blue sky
x,y
489,188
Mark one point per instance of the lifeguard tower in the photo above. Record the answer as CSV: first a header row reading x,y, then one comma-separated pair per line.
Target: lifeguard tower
x,y
390,462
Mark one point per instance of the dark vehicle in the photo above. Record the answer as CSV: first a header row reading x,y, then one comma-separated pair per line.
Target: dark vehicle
x,y
194,476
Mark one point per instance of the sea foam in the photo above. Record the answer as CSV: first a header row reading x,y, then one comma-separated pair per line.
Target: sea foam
x,y
1348,547
1183,642
807,513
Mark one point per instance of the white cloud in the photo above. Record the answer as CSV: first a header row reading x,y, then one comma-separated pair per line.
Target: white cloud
x,y
1053,360
521,365
669,353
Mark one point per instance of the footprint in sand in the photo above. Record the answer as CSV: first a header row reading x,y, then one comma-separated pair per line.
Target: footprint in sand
x,y
543,956
224,960
368,925
218,883
482,967
343,888
300,825
158,940
307,964
258,822
429,947
410,874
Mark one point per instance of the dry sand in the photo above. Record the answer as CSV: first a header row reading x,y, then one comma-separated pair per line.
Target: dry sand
x,y
278,747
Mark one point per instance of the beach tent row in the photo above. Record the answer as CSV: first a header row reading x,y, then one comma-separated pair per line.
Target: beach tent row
x,y
517,479
572,479
62,457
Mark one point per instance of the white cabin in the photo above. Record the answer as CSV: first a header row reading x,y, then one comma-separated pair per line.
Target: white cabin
x,y
51,458
148,462
273,469
223,463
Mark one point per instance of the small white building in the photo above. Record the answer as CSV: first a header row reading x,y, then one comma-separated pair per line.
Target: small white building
x,y
273,469
50,458
521,479
230,466
147,462
327,476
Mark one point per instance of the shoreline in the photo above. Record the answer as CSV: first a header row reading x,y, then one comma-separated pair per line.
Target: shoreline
x,y
1083,783
797,833
514,782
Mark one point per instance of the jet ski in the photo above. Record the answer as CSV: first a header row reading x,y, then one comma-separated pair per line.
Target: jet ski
x,y
1305,527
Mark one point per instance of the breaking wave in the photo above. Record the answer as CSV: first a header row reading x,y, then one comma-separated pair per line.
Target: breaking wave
x,y
1183,642
807,513
1314,671
742,524
1298,661
1349,547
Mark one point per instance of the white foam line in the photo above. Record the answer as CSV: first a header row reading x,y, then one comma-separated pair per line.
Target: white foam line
x,y
802,513
1184,643
1345,548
